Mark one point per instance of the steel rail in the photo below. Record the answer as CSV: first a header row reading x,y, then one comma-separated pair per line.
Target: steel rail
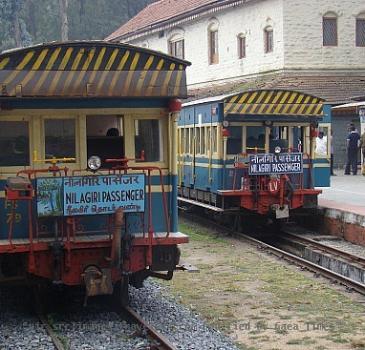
x,y
55,339
357,286
162,343
323,247
345,281
58,344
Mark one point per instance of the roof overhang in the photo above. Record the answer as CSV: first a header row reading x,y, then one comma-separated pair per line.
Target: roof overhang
x,y
95,69
180,19
270,103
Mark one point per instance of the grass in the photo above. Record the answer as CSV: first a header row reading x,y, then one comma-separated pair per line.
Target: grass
x,y
238,285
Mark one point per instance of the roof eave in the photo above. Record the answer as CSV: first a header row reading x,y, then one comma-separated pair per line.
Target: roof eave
x,y
177,20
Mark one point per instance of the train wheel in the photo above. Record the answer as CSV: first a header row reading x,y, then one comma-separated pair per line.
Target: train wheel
x,y
121,292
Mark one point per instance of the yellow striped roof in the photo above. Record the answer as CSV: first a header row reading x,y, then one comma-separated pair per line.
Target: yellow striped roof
x,y
273,102
93,68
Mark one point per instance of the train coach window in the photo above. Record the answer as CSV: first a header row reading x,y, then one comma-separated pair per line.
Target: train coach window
x,y
59,138
198,143
279,137
214,139
148,139
255,139
202,140
105,137
14,143
234,142
298,139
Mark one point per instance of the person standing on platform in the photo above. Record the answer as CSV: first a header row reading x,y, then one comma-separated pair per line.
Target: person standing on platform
x,y
353,143
362,145
332,152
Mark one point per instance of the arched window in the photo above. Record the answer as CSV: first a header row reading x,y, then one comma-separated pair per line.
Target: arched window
x,y
360,30
268,39
330,29
241,46
213,42
176,45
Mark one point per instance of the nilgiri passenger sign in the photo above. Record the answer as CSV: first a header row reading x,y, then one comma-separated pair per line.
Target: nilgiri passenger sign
x,y
269,163
91,195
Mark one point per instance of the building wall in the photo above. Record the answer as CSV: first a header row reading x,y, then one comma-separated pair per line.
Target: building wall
x,y
250,20
298,42
303,41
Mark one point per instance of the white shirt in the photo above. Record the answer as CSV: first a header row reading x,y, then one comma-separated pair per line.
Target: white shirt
x,y
321,146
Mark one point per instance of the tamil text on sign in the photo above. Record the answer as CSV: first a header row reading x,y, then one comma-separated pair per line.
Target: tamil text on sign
x,y
268,163
90,195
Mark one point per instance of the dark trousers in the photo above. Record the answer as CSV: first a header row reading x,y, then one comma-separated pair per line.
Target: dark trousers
x,y
332,164
351,161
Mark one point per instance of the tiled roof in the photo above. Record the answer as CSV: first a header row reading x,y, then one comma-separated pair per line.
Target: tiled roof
x,y
161,11
335,88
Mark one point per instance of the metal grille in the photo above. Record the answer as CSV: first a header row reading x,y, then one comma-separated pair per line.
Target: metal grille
x,y
269,40
329,31
360,32
241,41
213,47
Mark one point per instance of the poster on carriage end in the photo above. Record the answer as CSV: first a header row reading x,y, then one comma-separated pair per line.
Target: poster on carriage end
x,y
50,196
269,163
103,194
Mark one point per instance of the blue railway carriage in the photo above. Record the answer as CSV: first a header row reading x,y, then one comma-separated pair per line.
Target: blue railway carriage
x,y
254,152
88,173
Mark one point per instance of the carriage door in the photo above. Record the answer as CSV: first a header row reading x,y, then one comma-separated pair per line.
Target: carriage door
x,y
322,156
187,145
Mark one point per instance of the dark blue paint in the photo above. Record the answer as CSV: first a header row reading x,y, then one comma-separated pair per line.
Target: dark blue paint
x,y
76,103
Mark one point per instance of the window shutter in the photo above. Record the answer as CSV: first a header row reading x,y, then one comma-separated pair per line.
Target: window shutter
x,y
241,47
329,31
213,47
360,32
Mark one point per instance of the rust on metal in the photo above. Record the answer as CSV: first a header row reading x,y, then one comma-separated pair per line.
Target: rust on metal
x,y
117,238
97,281
163,342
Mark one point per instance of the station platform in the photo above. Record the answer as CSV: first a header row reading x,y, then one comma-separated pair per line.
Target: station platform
x,y
343,207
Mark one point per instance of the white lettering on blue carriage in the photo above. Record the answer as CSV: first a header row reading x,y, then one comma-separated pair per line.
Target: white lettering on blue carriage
x,y
268,163
90,195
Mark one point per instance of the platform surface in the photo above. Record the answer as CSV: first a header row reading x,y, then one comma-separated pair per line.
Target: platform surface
x,y
347,193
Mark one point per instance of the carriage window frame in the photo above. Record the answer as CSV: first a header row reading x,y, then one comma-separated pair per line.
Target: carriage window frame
x,y
77,138
203,146
12,168
214,142
162,137
191,141
244,139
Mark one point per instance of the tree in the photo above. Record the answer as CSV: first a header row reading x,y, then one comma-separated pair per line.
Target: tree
x,y
25,21
13,28
64,19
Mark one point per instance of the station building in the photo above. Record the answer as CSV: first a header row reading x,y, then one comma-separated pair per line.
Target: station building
x,y
317,47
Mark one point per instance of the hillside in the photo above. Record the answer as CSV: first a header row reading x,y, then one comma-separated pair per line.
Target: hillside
x,y
26,22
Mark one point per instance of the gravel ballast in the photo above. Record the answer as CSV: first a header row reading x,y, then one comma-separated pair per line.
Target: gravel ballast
x,y
183,328
19,328
98,327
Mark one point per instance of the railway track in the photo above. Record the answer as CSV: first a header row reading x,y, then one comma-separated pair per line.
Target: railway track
x,y
156,341
282,254
160,341
314,244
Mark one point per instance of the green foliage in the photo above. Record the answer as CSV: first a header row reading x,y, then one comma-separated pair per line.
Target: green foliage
x,y
39,20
